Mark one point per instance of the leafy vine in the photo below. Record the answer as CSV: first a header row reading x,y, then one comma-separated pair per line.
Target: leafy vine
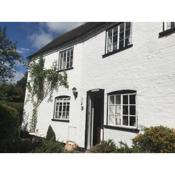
x,y
42,82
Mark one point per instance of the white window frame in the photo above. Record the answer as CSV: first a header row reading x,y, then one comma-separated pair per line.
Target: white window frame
x,y
62,108
65,59
118,38
121,111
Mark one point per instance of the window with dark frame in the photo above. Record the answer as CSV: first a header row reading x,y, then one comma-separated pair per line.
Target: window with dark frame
x,y
62,107
122,110
167,29
65,60
118,37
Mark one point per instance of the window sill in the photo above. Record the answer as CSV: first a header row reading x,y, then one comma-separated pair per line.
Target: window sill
x,y
65,69
116,51
134,130
166,32
59,120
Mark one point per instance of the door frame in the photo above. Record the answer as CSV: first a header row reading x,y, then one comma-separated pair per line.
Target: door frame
x,y
91,93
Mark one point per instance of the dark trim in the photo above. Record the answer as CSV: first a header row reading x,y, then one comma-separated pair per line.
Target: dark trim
x,y
114,25
89,93
166,32
116,51
65,69
126,91
134,130
62,96
59,120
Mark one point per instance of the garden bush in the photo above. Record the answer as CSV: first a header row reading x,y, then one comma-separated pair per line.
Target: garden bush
x,y
104,147
157,139
9,122
49,146
50,134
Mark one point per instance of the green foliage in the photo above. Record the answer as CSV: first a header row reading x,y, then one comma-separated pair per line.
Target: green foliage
x,y
8,56
50,134
124,148
104,147
157,139
9,122
43,83
49,146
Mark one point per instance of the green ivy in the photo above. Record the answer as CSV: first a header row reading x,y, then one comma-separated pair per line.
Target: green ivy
x,y
43,83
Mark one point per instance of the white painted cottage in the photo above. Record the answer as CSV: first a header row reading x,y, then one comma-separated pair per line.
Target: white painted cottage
x,y
121,78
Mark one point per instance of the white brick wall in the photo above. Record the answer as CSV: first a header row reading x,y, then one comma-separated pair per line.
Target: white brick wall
x,y
148,67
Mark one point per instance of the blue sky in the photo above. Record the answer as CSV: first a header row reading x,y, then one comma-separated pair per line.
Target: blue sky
x,y
31,36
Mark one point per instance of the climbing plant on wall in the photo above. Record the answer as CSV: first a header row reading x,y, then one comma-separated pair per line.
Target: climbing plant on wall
x,y
41,84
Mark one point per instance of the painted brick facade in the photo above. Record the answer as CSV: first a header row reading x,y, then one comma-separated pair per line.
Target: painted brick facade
x,y
147,67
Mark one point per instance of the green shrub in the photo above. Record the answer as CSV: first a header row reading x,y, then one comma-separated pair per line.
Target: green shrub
x,y
9,122
16,146
157,139
124,148
104,147
50,134
49,146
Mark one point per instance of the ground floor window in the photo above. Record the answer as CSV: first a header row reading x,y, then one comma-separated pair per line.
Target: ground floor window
x,y
122,108
62,107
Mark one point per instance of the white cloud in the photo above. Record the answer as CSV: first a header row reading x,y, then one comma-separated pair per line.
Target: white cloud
x,y
22,50
17,77
40,39
62,26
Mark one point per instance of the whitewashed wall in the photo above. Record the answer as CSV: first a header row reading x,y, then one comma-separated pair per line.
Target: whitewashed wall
x,y
148,67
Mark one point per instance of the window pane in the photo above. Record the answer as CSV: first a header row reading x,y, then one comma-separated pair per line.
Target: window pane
x,y
125,120
132,110
117,109
115,38
118,120
132,99
111,120
125,109
111,110
111,99
125,99
109,41
132,121
118,99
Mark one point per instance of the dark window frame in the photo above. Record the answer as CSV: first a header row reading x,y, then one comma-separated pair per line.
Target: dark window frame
x,y
118,47
166,32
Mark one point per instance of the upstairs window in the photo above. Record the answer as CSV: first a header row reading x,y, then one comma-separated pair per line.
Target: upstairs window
x,y
168,25
65,60
167,29
62,107
118,37
122,109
